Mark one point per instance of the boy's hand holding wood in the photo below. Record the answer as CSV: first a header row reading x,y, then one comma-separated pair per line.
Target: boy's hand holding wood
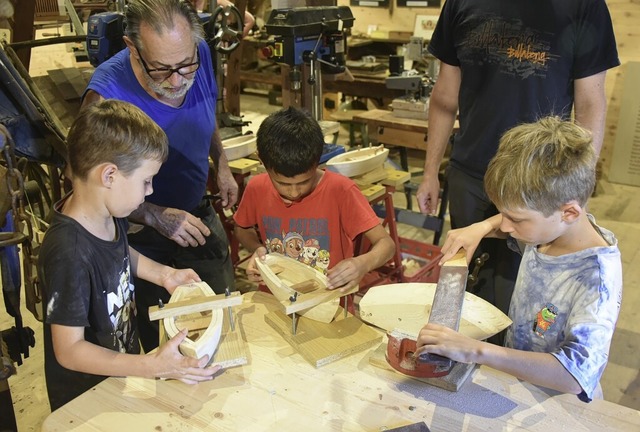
x,y
252,270
441,340
347,273
168,362
468,238
173,278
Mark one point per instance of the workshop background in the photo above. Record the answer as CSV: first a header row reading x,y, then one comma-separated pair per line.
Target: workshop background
x,y
615,204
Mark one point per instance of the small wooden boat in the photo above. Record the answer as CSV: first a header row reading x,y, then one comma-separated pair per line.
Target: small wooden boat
x,y
205,327
285,276
406,307
358,162
239,147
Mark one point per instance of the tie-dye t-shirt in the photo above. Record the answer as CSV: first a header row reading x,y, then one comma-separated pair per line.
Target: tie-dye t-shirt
x,y
568,306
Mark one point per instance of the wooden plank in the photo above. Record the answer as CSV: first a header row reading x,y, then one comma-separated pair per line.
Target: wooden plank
x,y
322,343
397,137
243,165
305,286
452,382
232,348
396,178
374,176
371,192
198,304
625,162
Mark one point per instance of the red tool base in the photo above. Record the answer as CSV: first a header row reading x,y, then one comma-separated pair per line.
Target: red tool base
x,y
401,356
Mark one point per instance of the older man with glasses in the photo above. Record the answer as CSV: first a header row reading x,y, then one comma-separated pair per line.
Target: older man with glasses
x,y
166,71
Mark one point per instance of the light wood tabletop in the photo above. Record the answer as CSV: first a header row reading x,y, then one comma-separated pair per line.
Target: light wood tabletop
x,y
279,391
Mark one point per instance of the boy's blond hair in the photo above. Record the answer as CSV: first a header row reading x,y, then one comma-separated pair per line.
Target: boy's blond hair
x,y
116,132
541,166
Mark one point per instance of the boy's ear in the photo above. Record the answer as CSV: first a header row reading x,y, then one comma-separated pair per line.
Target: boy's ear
x,y
107,174
571,211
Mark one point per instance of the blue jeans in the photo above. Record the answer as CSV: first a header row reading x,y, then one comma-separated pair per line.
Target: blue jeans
x,y
212,262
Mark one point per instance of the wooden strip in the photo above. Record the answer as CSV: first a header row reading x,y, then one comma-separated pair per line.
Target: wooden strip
x,y
197,304
306,301
276,269
305,286
322,343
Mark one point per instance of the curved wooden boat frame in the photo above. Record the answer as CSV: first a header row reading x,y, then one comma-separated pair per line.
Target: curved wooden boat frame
x,y
285,276
201,340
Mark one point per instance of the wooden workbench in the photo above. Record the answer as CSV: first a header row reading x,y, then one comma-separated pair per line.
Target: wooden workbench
x,y
279,391
385,128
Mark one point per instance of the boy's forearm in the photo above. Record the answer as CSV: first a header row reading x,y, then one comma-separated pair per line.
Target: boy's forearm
x,y
146,268
382,249
541,369
86,357
492,227
248,238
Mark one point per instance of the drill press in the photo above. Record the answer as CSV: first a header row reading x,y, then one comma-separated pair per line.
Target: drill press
x,y
311,36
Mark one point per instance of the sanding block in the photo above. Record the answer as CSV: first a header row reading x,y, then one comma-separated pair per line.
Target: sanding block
x,y
446,311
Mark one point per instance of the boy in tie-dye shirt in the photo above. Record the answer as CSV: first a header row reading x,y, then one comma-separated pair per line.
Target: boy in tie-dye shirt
x,y
567,295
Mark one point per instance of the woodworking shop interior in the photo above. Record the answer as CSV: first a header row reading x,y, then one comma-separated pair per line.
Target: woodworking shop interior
x,y
369,88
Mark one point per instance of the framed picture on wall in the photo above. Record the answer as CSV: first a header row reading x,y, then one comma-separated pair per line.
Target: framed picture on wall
x,y
425,25
419,3
370,3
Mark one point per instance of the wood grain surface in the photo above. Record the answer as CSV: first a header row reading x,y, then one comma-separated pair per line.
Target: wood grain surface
x,y
279,391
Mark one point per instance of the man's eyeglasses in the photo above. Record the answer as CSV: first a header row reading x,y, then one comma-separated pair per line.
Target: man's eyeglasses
x,y
160,75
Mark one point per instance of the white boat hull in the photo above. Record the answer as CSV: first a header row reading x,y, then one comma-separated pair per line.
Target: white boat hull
x,y
239,147
358,162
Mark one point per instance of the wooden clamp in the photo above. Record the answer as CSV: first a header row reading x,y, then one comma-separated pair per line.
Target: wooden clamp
x,y
314,298
198,304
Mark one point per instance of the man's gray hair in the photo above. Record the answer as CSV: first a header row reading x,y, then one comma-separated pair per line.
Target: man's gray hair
x,y
160,15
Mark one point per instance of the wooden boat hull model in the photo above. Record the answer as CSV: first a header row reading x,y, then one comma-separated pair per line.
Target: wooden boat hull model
x,y
285,276
205,327
406,307
358,162
239,147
